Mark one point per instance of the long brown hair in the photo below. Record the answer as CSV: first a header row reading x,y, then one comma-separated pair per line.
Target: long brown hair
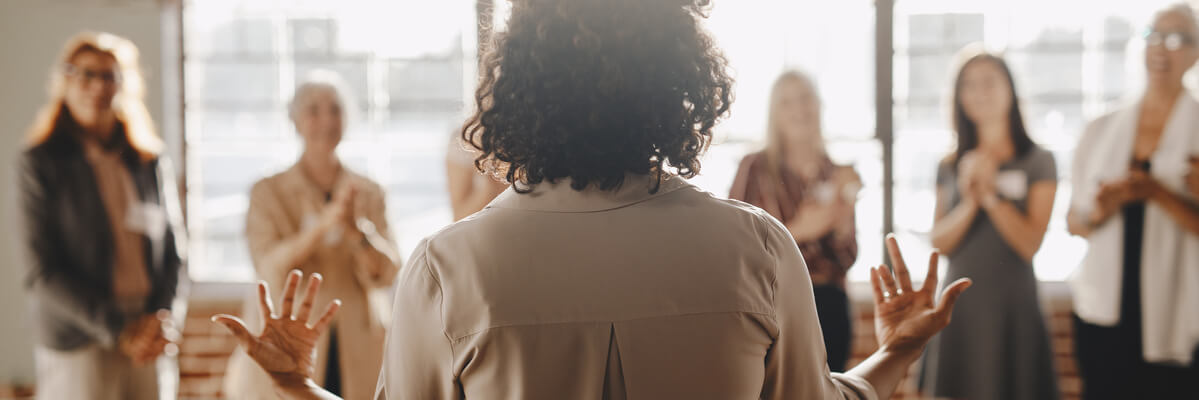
x,y
128,105
966,129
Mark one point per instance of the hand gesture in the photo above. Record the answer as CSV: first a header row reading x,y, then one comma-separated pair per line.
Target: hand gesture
x,y
978,172
286,349
148,337
340,209
904,318
813,219
1114,195
848,184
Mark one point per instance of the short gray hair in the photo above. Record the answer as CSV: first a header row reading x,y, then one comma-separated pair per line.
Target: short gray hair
x,y
321,80
1182,9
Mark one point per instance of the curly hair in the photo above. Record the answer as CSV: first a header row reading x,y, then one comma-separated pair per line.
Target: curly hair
x,y
593,90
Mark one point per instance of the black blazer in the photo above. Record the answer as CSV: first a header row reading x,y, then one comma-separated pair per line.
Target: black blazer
x,y
70,241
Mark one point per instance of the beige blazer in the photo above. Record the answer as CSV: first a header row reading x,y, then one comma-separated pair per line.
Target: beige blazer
x,y
280,206
560,294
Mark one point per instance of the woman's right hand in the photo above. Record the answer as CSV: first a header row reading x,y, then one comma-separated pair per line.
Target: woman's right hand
x,y
147,337
904,318
968,175
286,349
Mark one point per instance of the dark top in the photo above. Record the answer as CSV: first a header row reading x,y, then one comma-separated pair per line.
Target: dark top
x,y
1134,233
67,232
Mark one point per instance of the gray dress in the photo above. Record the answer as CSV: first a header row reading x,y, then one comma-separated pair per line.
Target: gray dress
x,y
997,346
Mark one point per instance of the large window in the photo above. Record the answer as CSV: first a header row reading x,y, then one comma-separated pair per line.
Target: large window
x,y
834,43
1072,61
408,68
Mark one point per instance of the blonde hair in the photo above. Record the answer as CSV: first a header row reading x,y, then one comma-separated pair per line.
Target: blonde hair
x,y
128,104
774,133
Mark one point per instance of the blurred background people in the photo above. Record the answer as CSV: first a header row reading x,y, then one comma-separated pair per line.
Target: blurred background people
x,y
604,274
469,189
994,198
1136,293
320,217
795,181
103,225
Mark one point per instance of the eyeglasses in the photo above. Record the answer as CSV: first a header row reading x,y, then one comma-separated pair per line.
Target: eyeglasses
x,y
1172,41
89,75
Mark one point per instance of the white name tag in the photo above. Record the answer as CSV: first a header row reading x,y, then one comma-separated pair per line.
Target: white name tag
x,y
1012,185
332,236
146,218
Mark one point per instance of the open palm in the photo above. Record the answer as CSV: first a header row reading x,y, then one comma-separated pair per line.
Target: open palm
x,y
905,318
287,346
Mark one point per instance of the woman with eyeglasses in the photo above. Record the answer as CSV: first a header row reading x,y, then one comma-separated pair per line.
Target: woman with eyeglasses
x,y
1136,293
320,217
103,226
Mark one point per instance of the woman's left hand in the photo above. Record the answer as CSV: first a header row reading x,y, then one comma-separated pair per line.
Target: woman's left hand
x,y
1142,186
906,318
286,349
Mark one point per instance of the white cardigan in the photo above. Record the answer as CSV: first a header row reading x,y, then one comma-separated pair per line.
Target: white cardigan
x,y
1170,259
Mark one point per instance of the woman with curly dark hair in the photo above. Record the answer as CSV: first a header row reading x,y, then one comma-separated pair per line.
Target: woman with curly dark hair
x,y
602,273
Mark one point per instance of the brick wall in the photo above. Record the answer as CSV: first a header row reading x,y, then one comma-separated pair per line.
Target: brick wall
x,y
204,352
206,347
1055,303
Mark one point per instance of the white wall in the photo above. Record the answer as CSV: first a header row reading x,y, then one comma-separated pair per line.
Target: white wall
x,y
31,35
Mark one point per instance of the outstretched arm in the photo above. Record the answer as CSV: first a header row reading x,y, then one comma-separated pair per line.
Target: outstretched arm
x,y
286,349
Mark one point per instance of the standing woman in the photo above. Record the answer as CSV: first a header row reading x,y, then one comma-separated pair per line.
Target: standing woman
x,y
994,199
1137,290
102,224
794,180
320,217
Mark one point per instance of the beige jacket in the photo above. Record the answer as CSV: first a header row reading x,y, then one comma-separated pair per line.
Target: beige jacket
x,y
559,294
280,206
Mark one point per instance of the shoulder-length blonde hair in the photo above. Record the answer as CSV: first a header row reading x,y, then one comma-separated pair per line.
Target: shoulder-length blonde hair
x,y
774,133
128,105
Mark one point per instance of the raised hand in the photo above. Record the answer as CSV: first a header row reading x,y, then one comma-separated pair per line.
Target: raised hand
x,y
904,318
286,349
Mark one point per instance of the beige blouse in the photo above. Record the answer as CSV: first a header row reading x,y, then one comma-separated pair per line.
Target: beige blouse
x,y
130,280
559,294
281,206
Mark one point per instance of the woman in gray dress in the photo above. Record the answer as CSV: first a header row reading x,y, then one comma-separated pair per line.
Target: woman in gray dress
x,y
994,199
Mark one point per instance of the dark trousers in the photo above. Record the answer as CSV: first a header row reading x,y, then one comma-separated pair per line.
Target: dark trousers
x,y
333,365
832,307
1111,366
